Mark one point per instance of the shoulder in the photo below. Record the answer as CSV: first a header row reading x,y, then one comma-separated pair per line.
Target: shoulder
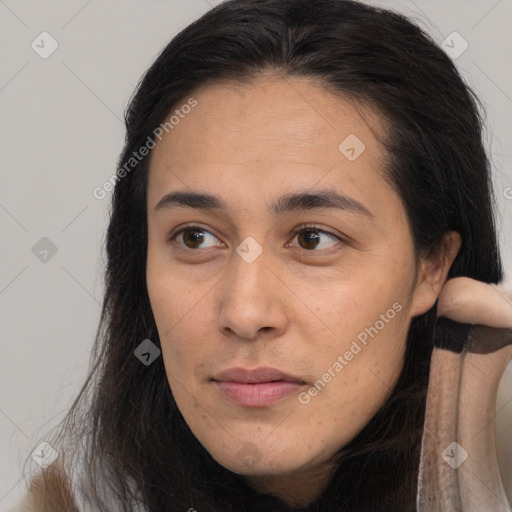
x,y
47,492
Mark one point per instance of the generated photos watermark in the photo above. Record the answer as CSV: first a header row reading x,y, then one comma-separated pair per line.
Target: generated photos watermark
x,y
137,156
355,348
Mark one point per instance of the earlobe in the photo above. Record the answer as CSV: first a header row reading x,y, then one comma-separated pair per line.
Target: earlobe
x,y
433,272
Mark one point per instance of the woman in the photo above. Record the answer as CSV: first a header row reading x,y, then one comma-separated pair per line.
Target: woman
x,y
292,196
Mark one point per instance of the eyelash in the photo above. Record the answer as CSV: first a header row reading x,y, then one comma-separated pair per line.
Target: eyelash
x,y
300,229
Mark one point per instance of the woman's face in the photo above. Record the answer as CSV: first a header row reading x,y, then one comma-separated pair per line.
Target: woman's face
x,y
283,299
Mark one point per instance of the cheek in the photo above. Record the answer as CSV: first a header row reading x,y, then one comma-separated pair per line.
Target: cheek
x,y
169,302
171,297
184,324
364,376
363,309
357,367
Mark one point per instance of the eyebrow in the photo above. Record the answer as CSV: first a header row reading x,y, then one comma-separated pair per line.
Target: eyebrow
x,y
287,203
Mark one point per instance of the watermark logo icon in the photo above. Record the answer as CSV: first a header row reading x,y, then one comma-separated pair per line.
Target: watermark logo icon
x,y
352,147
44,45
454,45
454,455
147,352
44,455
44,250
249,454
249,249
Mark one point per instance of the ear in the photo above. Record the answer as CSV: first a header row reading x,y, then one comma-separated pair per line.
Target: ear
x,y
433,272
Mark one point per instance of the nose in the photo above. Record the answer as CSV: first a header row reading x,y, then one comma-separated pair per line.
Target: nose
x,y
252,301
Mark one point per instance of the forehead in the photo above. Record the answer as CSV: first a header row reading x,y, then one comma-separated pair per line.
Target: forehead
x,y
274,132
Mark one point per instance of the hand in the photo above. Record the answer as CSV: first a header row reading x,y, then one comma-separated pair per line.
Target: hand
x,y
468,301
472,347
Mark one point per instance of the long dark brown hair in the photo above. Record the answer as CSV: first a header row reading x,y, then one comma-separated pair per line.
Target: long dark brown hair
x,y
135,445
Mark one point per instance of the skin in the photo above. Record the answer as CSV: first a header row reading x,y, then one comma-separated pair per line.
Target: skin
x,y
461,402
469,301
301,303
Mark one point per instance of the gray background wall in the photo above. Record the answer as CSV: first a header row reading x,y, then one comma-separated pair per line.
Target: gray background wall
x,y
61,132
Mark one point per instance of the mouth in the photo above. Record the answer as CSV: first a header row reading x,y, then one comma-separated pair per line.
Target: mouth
x,y
260,387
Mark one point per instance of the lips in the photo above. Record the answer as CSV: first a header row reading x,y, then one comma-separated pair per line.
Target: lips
x,y
260,387
255,376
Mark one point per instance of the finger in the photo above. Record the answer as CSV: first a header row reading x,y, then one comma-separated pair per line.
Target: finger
x,y
469,301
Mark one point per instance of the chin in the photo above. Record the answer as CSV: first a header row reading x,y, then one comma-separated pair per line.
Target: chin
x,y
251,459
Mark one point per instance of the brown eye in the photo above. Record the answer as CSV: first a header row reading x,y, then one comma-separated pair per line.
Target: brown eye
x,y
192,237
312,238
308,239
